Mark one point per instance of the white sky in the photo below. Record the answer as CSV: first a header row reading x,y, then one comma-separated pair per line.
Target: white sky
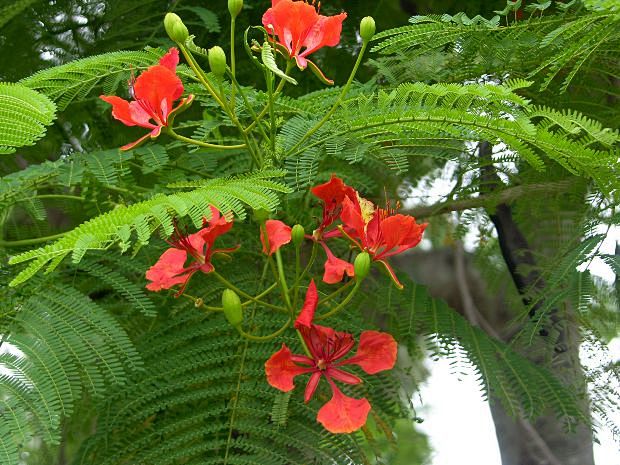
x,y
456,419
459,424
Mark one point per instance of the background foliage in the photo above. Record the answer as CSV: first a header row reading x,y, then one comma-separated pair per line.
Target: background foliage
x,y
96,370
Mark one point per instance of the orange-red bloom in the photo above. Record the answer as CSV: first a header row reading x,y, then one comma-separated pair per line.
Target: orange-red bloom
x,y
170,269
379,231
332,193
154,93
278,234
376,352
300,29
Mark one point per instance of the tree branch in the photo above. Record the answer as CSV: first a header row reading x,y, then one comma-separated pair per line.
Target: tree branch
x,y
506,196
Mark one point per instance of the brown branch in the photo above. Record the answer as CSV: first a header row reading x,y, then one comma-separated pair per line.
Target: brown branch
x,y
505,196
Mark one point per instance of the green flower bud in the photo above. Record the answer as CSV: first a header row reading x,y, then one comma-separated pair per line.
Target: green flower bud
x,y
217,61
234,7
297,235
361,266
367,28
175,28
232,307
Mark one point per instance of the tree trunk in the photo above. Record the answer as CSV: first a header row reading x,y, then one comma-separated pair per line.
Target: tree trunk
x,y
544,441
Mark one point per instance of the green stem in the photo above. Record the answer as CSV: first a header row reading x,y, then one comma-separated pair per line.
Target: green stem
x,y
199,303
232,62
342,304
205,82
282,279
315,247
341,97
57,196
176,136
231,286
303,344
249,108
297,274
336,292
272,117
202,77
262,294
36,240
268,337
283,81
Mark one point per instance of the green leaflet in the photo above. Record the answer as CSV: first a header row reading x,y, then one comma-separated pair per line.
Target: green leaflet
x,y
24,114
256,190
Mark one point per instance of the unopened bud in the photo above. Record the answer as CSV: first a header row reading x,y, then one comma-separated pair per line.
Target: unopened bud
x,y
217,61
361,266
175,28
297,235
367,28
232,307
234,7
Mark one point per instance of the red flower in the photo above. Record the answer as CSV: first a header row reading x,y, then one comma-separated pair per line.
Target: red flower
x,y
335,267
170,269
299,27
154,93
376,352
278,234
379,231
332,193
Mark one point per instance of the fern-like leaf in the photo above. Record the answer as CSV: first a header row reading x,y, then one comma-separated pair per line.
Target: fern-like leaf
x,y
24,114
256,190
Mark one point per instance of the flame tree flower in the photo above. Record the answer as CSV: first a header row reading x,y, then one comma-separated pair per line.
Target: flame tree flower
x,y
170,269
376,352
301,29
332,193
380,231
277,234
154,93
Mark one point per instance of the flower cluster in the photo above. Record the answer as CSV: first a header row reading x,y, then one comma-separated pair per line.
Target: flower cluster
x,y
378,233
295,29
327,348
171,269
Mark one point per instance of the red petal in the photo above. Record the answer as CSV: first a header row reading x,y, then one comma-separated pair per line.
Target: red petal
x,y
335,267
291,22
278,234
333,191
392,273
307,311
342,376
168,271
120,109
376,352
343,414
326,32
400,232
157,88
170,60
281,370
218,225
152,135
351,216
313,382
